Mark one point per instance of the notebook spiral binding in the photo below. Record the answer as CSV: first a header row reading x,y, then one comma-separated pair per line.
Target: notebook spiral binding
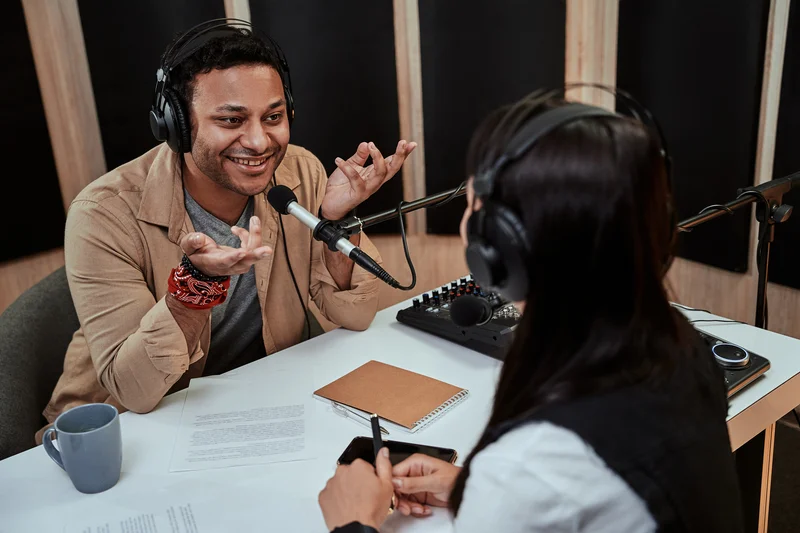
x,y
442,409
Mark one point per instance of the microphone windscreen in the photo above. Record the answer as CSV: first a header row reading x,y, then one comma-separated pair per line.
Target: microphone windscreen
x,y
469,310
279,197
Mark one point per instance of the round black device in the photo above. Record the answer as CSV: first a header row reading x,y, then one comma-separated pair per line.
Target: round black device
x,y
730,355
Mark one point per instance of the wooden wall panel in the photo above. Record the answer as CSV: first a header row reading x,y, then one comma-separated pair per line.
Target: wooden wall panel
x,y
409,104
58,49
26,141
591,49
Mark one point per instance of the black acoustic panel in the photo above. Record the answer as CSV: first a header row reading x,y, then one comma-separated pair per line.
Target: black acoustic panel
x,y
124,43
342,61
784,265
33,214
698,68
477,56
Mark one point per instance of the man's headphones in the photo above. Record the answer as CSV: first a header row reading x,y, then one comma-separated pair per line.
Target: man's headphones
x,y
498,248
169,119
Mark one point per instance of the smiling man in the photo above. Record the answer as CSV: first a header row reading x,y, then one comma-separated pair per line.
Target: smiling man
x,y
177,265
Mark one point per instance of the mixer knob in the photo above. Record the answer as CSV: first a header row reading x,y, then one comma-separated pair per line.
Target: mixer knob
x,y
435,294
463,281
426,299
415,302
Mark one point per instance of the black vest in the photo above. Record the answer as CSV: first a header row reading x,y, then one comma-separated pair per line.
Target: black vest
x,y
668,442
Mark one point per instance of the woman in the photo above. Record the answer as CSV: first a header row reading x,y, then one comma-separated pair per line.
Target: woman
x,y
610,412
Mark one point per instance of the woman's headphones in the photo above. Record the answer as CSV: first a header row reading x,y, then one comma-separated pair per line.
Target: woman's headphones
x,y
169,119
497,244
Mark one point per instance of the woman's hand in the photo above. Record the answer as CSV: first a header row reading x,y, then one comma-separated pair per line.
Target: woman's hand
x,y
358,493
422,481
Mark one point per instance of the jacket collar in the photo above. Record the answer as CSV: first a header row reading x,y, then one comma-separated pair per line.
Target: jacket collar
x,y
162,198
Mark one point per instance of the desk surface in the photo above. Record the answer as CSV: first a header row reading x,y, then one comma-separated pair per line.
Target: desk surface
x,y
35,495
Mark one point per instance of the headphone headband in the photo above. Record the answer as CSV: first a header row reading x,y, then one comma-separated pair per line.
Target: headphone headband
x,y
498,247
525,138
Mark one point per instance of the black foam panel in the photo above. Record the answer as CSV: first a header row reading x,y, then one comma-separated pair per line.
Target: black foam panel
x,y
342,61
784,266
33,215
698,68
477,56
124,43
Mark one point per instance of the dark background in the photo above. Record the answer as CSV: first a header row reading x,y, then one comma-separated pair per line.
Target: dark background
x,y
477,56
785,253
32,216
697,67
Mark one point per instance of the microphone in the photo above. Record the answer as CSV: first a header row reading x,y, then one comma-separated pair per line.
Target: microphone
x,y
284,201
468,311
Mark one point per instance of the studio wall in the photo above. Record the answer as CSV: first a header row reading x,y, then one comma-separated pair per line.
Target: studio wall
x,y
698,68
33,215
785,251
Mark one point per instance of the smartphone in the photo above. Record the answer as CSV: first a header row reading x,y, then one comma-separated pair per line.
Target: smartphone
x,y
361,448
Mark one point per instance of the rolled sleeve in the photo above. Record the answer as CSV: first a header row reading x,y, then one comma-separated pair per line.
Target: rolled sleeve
x,y
137,348
354,308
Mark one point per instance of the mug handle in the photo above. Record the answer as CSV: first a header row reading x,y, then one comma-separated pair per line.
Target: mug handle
x,y
47,442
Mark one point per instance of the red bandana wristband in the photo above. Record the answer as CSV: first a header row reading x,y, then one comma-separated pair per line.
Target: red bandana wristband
x,y
194,293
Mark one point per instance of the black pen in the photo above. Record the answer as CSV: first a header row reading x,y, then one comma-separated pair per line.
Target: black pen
x,y
377,442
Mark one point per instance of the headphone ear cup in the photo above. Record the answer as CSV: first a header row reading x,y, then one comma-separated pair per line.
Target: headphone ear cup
x,y
497,250
508,231
179,130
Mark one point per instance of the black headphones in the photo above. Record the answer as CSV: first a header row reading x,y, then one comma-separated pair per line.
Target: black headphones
x,y
498,247
169,119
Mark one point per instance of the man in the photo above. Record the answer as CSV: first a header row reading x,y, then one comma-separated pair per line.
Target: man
x,y
177,265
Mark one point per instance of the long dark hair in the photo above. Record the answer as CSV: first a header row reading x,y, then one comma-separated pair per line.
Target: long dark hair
x,y
593,195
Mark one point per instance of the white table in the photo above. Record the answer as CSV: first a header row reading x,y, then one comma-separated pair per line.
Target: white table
x,y
36,495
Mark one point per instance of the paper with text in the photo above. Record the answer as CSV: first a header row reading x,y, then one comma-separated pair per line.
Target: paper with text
x,y
233,421
177,518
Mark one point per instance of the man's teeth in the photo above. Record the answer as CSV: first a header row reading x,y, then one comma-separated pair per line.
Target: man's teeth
x,y
248,162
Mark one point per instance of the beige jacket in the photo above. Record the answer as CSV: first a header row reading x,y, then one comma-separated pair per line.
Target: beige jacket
x,y
120,246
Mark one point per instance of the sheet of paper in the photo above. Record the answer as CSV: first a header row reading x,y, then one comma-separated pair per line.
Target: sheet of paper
x,y
168,518
236,421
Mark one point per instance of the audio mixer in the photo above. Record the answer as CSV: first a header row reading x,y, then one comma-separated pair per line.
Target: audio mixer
x,y
493,334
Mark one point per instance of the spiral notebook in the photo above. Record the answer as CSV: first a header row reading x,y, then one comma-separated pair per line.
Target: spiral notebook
x,y
405,398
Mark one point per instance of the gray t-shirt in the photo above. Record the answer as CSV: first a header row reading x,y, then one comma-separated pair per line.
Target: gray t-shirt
x,y
236,323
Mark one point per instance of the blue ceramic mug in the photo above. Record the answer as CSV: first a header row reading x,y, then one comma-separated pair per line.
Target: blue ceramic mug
x,y
90,446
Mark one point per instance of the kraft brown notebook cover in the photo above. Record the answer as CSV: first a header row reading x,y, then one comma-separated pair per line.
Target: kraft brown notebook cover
x,y
406,398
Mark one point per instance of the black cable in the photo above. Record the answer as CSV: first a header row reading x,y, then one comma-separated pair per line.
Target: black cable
x,y
695,321
291,272
405,243
294,280
452,195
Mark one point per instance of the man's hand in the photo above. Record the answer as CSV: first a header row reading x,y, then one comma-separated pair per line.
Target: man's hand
x,y
352,183
422,481
215,260
358,493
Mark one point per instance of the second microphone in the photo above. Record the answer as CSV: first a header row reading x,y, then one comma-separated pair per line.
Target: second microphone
x,y
284,201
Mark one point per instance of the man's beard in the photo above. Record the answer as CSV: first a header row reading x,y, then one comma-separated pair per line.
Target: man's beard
x,y
209,164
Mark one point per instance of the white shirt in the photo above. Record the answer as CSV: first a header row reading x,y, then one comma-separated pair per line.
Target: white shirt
x,y
544,478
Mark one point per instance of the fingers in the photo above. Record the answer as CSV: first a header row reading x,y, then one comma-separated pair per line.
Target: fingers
x,y
409,507
416,465
360,157
353,176
194,242
255,233
411,485
383,467
396,160
379,166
